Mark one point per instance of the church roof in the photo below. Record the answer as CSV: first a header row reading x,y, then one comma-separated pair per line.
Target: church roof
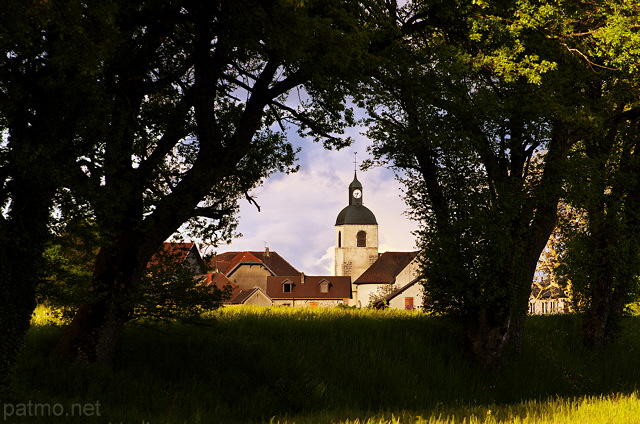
x,y
228,261
386,268
356,215
355,183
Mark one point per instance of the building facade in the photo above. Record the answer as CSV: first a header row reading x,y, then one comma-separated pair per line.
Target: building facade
x,y
356,235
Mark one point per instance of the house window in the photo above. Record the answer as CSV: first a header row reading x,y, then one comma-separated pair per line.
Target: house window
x,y
408,303
287,287
361,239
339,238
324,286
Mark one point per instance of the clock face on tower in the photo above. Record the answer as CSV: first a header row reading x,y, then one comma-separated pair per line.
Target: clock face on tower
x,y
357,193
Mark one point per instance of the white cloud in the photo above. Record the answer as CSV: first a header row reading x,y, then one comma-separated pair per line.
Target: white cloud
x,y
298,211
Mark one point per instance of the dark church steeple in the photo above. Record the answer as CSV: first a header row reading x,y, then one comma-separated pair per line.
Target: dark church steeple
x,y
356,213
355,191
356,236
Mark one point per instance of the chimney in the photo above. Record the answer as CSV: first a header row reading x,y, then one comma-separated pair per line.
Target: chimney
x,y
302,278
266,252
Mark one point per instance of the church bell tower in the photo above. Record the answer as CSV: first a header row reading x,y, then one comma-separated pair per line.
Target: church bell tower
x,y
356,235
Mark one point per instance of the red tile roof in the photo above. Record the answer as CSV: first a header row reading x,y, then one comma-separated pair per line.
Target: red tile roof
x,y
308,287
386,268
241,258
243,295
176,252
228,261
221,282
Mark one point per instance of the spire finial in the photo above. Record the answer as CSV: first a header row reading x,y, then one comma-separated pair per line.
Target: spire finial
x,y
355,162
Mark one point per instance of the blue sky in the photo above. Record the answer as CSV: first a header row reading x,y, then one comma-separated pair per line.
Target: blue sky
x,y
298,211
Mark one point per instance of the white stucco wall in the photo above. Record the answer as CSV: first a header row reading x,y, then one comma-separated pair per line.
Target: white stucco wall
x,y
408,274
308,303
415,291
259,299
362,293
547,306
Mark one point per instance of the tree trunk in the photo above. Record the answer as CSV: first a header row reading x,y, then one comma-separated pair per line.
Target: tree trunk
x,y
17,288
94,331
93,334
487,337
599,316
529,261
22,242
605,313
593,334
501,326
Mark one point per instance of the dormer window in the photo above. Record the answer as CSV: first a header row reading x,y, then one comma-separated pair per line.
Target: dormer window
x,y
324,286
287,286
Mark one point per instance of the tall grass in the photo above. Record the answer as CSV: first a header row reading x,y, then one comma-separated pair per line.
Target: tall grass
x,y
334,365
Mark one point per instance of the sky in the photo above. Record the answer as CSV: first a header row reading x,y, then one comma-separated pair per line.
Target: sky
x,y
298,211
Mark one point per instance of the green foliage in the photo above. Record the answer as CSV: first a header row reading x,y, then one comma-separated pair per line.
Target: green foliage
x,y
477,106
70,259
195,100
174,289
470,114
171,289
48,72
330,365
599,256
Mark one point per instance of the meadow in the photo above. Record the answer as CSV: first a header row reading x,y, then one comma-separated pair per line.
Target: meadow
x,y
280,365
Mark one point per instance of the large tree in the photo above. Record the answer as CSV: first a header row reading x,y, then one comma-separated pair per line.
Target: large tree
x,y
196,103
599,247
478,107
51,53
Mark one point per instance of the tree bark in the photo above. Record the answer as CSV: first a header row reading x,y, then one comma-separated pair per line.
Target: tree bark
x,y
487,337
93,334
22,243
606,305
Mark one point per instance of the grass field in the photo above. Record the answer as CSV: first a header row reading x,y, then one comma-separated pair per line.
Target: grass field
x,y
329,366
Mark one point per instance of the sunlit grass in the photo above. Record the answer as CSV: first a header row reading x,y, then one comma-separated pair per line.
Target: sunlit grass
x,y
342,365
614,409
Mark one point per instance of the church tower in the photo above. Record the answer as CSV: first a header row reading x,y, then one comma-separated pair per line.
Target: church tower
x,y
356,235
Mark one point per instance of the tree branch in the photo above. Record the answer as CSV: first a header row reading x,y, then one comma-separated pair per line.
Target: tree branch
x,y
211,212
251,199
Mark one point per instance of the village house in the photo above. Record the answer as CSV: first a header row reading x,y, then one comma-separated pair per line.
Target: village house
x,y
547,298
363,276
309,291
250,296
251,269
387,275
